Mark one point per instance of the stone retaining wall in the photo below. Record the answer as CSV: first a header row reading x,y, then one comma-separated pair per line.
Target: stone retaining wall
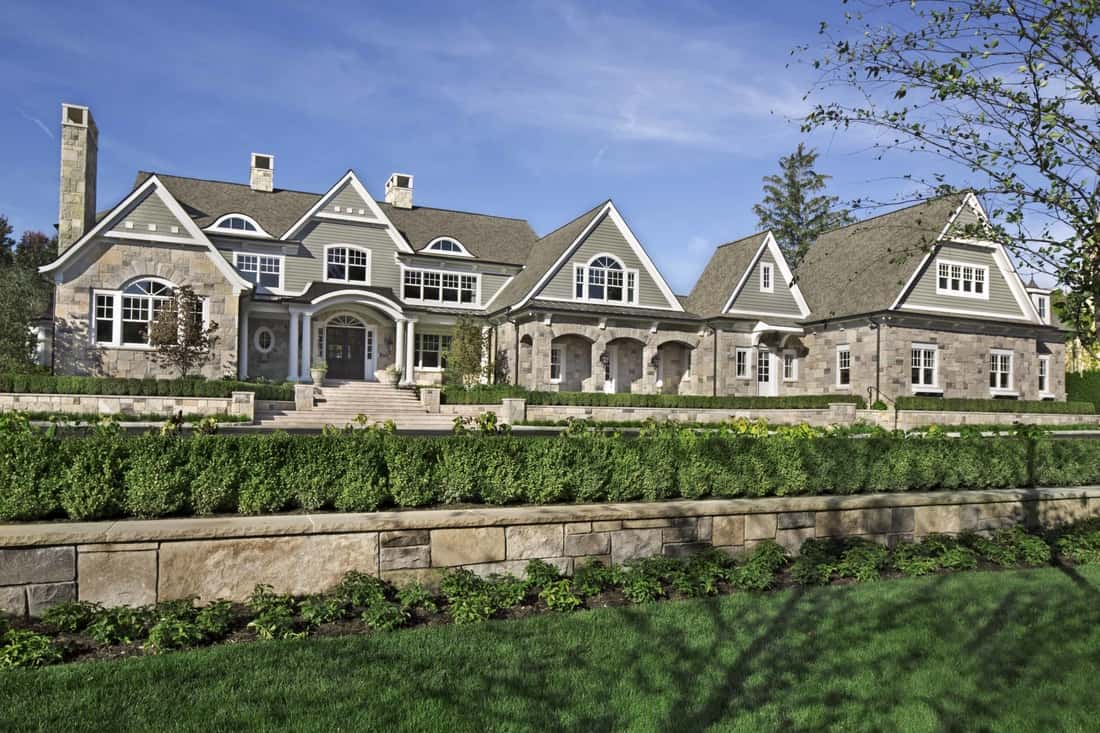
x,y
909,419
240,403
138,562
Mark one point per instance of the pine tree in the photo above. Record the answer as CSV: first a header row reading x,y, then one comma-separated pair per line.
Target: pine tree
x,y
794,207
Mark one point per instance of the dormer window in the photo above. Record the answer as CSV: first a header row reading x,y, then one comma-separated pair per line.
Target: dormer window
x,y
962,278
446,245
239,224
604,279
1042,305
767,278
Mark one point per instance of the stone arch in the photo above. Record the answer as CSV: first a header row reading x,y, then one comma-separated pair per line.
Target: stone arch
x,y
622,364
574,359
673,360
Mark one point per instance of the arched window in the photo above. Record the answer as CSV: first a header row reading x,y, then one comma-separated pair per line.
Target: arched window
x,y
346,264
239,224
605,279
123,317
447,245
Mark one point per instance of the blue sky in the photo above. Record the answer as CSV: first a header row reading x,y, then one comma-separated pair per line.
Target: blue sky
x,y
538,110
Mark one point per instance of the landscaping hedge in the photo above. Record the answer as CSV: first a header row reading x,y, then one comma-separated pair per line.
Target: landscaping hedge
x,y
1083,386
953,404
105,474
493,394
51,384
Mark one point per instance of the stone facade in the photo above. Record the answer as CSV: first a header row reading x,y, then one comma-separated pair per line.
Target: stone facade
x,y
141,562
112,267
241,403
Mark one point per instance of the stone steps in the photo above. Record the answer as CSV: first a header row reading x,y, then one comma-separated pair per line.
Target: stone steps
x,y
340,403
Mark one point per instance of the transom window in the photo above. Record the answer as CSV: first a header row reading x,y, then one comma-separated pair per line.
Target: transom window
x,y
124,317
961,278
264,270
447,246
347,265
766,278
1000,371
431,351
843,366
741,363
922,365
435,286
605,279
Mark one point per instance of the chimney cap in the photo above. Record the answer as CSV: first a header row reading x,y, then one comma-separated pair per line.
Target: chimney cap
x,y
263,161
76,114
400,180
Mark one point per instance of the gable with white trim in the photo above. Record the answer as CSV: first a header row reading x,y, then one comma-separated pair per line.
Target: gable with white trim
x,y
966,280
766,287
611,237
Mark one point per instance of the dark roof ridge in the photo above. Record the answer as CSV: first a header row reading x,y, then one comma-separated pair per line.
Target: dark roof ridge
x,y
600,205
754,235
459,211
898,210
225,183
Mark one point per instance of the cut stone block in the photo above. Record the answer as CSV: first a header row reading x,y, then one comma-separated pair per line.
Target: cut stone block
x,y
405,558
37,565
631,544
46,595
760,526
593,543
452,547
118,578
728,530
405,538
529,541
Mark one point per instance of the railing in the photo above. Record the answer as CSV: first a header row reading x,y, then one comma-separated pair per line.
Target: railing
x,y
872,392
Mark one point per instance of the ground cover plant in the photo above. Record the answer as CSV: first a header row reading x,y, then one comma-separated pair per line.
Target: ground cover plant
x,y
103,473
362,603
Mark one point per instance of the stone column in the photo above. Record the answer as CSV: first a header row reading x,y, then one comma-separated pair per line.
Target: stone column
x,y
242,347
486,343
399,348
292,348
307,343
410,352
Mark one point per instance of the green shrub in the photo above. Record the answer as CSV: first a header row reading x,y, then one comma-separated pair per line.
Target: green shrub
x,y
1012,547
758,572
638,586
120,625
157,481
415,597
215,469
412,469
29,475
319,609
262,488
363,485
863,561
276,622
71,616
1083,386
264,598
817,562
592,578
172,632
50,384
361,590
560,596
959,404
385,616
91,485
23,648
216,619
540,573
935,552
1080,542
493,394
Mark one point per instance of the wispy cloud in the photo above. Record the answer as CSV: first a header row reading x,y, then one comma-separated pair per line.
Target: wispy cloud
x,y
39,123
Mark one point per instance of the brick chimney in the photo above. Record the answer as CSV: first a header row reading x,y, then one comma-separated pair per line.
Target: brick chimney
x,y
79,155
263,172
399,191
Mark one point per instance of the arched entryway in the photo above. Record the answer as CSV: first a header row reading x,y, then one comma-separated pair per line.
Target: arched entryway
x,y
673,363
570,362
622,364
349,345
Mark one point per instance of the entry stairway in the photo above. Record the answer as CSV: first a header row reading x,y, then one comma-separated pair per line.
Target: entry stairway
x,y
340,403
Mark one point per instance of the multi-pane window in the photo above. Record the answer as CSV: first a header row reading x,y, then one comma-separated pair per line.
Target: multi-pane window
x,y
440,287
790,367
265,270
922,366
1000,370
555,364
430,351
606,280
741,363
957,278
766,277
125,317
347,265
236,222
447,245
763,366
104,318
843,365
1044,375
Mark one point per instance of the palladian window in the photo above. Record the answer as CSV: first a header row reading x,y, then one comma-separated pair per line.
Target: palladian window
x,y
605,279
124,317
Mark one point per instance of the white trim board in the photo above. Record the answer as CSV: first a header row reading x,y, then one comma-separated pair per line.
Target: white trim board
x,y
772,246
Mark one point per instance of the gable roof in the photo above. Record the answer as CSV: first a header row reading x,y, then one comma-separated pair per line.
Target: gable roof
x,y
495,238
724,270
862,267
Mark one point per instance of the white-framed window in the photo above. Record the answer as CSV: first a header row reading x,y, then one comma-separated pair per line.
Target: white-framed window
x,y
449,246
1044,375
790,366
605,280
741,363
843,365
440,286
924,366
555,364
264,270
264,340
239,224
347,264
1042,305
431,351
763,366
1000,370
767,277
962,278
124,317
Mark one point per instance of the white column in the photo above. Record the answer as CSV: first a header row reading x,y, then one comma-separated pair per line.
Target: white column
x,y
410,350
292,348
242,344
307,343
399,348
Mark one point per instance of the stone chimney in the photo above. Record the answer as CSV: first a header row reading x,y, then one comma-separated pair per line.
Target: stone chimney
x,y
263,172
79,154
399,191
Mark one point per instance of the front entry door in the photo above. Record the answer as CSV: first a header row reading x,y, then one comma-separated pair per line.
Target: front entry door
x,y
345,352
766,383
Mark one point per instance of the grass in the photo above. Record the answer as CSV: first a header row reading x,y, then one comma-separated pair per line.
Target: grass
x,y
1001,651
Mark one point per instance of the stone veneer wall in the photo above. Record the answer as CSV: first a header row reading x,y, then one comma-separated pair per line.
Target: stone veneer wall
x,y
141,562
110,268
240,403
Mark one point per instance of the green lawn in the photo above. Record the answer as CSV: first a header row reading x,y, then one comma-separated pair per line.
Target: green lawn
x,y
991,651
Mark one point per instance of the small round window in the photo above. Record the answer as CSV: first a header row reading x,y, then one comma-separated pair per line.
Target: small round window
x,y
264,340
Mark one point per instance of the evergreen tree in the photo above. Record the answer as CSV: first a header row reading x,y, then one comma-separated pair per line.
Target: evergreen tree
x,y
794,207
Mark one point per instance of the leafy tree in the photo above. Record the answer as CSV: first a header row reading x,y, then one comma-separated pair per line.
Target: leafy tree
x,y
34,250
1005,92
6,241
794,207
24,295
464,357
179,339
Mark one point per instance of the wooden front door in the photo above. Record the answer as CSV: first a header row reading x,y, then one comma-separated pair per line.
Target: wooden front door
x,y
345,352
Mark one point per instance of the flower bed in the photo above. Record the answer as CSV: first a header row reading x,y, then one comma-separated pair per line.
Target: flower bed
x,y
105,474
113,386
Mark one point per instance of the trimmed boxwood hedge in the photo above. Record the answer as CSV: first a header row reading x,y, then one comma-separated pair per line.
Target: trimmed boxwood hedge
x,y
493,394
106,474
953,404
51,384
1083,386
